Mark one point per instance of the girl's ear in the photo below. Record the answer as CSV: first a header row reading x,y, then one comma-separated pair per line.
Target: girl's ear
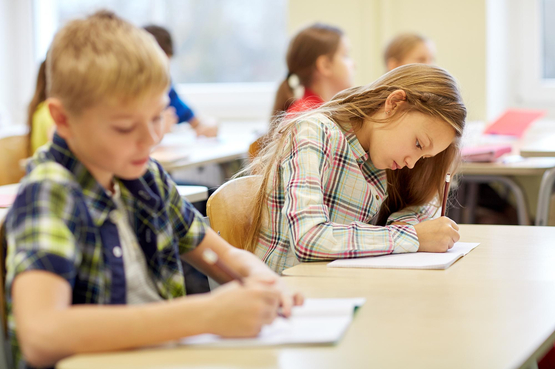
x,y
324,65
59,115
395,99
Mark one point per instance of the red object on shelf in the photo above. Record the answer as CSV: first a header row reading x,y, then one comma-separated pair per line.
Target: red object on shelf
x,y
514,122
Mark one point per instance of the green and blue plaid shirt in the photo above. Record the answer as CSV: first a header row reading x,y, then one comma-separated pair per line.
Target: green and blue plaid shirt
x,y
60,223
323,198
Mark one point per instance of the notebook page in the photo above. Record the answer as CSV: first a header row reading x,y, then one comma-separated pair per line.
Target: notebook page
x,y
415,260
300,328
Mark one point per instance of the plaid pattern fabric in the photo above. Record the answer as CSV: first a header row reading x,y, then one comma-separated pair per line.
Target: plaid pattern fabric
x,y
60,222
323,199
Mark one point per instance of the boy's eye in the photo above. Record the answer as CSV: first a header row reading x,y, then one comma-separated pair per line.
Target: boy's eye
x,y
418,144
123,130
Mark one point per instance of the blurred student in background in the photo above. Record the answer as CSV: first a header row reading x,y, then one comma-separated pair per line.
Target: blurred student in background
x,y
319,66
408,48
184,112
40,123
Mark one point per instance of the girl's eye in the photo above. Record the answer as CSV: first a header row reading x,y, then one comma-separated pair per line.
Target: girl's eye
x,y
418,144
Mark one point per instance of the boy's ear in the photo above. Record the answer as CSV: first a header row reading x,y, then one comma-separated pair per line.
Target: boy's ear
x,y
324,65
60,117
395,99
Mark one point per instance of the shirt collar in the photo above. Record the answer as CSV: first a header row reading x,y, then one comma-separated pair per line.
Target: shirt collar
x,y
359,152
98,200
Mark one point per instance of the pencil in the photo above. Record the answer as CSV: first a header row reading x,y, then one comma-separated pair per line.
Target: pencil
x,y
212,258
445,193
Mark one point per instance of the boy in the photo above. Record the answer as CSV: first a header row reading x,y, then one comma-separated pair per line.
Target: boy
x,y
184,112
97,224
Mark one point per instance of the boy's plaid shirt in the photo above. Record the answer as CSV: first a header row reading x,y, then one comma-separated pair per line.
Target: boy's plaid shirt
x,y
60,222
322,200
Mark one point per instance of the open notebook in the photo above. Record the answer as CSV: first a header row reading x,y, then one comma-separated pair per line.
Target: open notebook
x,y
414,260
318,321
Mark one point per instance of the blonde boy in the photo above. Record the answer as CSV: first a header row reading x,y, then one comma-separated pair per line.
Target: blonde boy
x,y
97,224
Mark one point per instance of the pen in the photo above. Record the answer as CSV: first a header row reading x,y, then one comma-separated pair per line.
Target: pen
x,y
445,193
212,258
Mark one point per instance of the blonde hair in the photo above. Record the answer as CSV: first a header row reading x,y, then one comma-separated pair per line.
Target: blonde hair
x,y
400,46
104,57
304,49
429,90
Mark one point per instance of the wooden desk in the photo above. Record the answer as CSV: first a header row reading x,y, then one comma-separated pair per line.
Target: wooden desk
x,y
495,308
541,143
191,193
232,143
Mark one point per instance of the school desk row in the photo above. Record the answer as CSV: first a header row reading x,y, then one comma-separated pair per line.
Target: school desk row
x,y
493,308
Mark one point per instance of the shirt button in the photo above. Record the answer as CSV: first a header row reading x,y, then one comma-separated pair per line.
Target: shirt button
x,y
117,251
377,197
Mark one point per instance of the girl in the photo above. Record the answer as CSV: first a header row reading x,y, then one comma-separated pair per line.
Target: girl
x,y
319,66
361,175
318,60
409,48
39,121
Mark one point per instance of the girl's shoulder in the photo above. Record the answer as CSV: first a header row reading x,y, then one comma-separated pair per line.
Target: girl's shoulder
x,y
318,123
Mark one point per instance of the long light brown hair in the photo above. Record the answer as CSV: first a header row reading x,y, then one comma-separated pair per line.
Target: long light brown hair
x,y
429,90
304,49
38,97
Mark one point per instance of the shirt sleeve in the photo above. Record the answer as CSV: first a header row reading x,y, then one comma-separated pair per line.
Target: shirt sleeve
x,y
41,231
416,214
182,110
188,224
312,235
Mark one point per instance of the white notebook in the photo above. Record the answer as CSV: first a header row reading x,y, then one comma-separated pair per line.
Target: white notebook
x,y
318,321
413,260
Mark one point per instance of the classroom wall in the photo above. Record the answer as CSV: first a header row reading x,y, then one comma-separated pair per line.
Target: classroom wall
x,y
457,27
5,64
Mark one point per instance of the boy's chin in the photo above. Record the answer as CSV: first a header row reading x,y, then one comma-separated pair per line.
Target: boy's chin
x,y
132,174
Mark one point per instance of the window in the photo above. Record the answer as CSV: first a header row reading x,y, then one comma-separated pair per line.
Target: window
x,y
229,54
548,35
533,42
215,41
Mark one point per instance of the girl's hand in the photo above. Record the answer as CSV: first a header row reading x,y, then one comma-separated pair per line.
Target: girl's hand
x,y
437,235
242,311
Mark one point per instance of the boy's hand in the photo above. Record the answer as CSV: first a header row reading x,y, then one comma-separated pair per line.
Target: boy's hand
x,y
287,301
241,311
437,235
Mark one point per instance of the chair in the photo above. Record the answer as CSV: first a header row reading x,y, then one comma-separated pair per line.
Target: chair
x,y
12,150
228,208
5,358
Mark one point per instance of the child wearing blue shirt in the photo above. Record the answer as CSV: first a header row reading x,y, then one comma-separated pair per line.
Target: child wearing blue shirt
x,y
183,111
97,229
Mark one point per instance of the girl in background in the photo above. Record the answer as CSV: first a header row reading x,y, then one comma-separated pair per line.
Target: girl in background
x,y
408,48
319,66
39,121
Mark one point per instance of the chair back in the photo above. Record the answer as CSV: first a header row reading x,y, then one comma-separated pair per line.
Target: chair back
x,y
5,350
229,209
12,150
